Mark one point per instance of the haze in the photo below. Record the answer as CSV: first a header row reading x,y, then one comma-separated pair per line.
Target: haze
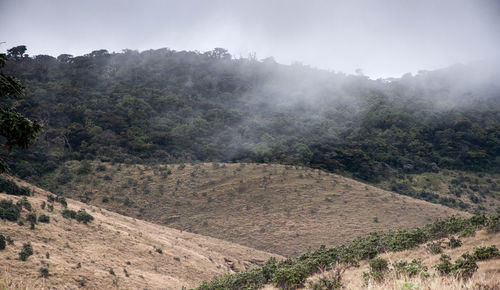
x,y
382,38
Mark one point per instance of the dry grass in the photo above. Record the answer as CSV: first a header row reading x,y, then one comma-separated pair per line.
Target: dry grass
x,y
84,254
275,208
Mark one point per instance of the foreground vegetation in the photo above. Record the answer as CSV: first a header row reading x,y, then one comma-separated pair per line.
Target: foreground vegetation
x,y
292,273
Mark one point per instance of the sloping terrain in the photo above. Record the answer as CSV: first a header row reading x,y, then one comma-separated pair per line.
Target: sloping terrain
x,y
275,208
469,191
112,251
486,277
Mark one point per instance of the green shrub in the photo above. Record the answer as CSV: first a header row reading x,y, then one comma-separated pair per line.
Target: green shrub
x,y
464,267
494,224
485,253
378,264
84,217
10,187
69,214
412,269
159,251
26,251
31,217
454,243
3,244
44,272
24,203
290,277
9,211
445,267
44,218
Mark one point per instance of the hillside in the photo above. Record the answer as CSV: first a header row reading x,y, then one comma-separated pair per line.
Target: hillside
x,y
166,106
468,191
78,254
275,208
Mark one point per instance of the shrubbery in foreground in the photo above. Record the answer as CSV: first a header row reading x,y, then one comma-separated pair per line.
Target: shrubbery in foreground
x,y
292,273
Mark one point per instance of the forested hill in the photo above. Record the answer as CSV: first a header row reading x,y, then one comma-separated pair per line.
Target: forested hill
x,y
178,106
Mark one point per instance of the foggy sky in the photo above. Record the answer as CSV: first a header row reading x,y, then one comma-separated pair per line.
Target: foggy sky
x,y
383,38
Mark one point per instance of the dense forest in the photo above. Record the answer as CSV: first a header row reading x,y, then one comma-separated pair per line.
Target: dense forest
x,y
165,106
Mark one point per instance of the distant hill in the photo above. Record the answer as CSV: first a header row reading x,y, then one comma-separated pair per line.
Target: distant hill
x,y
112,251
165,106
274,208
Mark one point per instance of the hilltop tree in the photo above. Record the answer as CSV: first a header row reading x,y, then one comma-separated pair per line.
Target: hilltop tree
x,y
15,128
17,51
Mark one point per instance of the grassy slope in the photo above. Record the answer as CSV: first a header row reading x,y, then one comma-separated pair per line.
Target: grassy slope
x,y
111,241
459,185
488,273
279,209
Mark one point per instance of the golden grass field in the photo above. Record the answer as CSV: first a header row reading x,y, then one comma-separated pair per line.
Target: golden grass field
x,y
82,254
274,208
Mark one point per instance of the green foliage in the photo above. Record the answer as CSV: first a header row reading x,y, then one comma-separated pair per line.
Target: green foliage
x,y
2,242
15,128
83,217
454,243
10,187
69,214
24,203
291,277
31,217
44,218
44,272
463,268
412,269
485,253
9,210
26,251
378,264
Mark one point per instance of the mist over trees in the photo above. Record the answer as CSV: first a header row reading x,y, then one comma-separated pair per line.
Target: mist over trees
x,y
162,106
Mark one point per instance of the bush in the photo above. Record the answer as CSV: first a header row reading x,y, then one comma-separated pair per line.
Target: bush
x,y
69,214
485,253
9,211
3,244
31,217
445,267
412,269
24,203
83,216
290,277
26,251
454,243
44,218
44,272
379,265
464,267
10,187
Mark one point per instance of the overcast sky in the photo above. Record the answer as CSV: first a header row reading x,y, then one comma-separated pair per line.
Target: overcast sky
x,y
382,37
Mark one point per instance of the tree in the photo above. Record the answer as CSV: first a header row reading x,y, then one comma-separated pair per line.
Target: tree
x,y
15,128
17,51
